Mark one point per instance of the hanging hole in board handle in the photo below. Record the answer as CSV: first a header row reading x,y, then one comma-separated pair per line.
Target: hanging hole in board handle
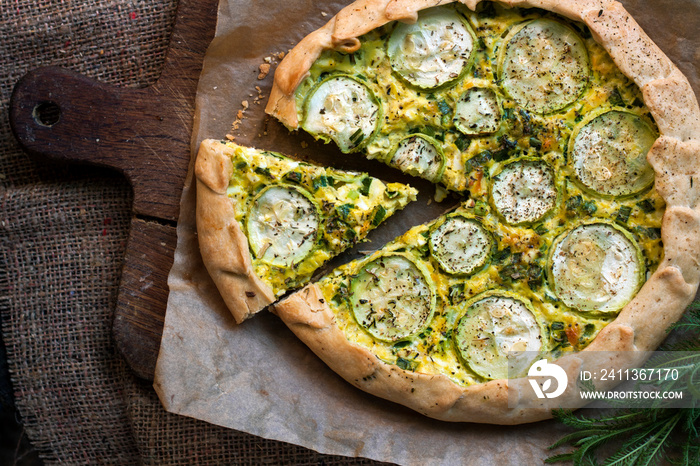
x,y
46,113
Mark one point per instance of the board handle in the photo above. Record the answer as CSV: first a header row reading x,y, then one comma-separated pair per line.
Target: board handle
x,y
64,116
144,133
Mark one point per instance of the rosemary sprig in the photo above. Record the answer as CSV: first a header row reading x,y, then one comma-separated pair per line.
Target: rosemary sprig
x,y
647,436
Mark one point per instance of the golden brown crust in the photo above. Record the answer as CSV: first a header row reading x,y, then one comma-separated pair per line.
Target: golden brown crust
x,y
677,171
570,9
223,245
495,402
634,53
640,326
674,106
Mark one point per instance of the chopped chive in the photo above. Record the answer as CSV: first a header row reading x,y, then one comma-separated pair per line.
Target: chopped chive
x,y
444,107
350,234
541,229
295,177
406,364
647,205
574,202
320,182
501,255
366,183
379,216
428,131
344,210
649,232
589,207
623,214
265,171
357,137
462,143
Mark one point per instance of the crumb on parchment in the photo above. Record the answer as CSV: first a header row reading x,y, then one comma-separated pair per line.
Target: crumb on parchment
x,y
240,115
259,97
264,69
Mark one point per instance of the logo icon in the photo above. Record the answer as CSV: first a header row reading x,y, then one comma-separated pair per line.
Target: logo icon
x,y
542,368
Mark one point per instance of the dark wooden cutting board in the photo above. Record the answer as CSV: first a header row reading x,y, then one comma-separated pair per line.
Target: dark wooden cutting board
x,y
143,133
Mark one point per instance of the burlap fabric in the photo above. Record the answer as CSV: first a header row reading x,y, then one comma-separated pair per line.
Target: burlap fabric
x,y
62,239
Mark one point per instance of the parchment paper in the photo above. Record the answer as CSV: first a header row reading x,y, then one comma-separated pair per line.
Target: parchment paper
x,y
257,377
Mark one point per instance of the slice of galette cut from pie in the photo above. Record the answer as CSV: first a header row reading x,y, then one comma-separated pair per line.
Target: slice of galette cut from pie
x,y
266,222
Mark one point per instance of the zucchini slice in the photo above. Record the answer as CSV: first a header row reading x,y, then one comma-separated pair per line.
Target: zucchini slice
x,y
478,112
434,51
343,109
494,325
609,153
282,225
461,245
544,65
596,267
419,155
524,190
392,297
